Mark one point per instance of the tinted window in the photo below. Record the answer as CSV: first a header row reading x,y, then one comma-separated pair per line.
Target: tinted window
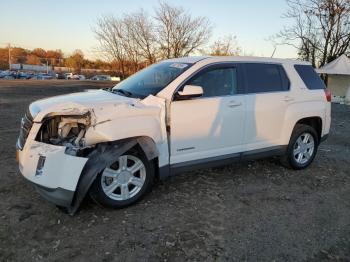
x,y
265,78
217,82
310,77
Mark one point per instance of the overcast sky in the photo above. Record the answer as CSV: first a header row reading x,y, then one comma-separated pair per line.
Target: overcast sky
x,y
66,24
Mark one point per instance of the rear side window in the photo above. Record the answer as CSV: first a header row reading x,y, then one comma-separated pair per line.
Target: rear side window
x,y
265,78
310,78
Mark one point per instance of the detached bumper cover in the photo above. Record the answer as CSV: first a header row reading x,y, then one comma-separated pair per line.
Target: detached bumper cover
x,y
54,173
58,196
324,138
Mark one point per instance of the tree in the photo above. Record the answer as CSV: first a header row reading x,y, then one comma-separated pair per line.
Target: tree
x,y
226,46
135,40
55,56
18,55
4,58
33,60
179,34
108,32
320,29
141,31
76,61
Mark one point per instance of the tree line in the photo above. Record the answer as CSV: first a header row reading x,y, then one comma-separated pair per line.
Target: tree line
x,y
318,29
39,56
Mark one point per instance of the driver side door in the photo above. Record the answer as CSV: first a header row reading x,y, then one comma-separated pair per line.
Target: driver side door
x,y
211,126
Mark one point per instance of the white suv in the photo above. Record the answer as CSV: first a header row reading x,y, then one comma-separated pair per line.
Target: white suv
x,y
171,117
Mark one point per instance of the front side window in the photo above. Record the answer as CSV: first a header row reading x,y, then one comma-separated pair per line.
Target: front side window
x,y
217,82
265,78
151,80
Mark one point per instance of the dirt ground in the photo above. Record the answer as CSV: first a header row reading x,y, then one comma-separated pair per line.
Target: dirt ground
x,y
249,211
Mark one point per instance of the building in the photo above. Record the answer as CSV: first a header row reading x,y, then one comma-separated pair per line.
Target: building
x,y
338,72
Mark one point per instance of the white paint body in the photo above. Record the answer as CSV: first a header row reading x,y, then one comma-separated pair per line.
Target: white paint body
x,y
200,128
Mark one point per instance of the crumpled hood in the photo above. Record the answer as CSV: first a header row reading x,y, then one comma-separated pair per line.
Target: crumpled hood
x,y
76,103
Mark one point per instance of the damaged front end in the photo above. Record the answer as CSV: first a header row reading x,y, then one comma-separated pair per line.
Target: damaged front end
x,y
65,130
62,161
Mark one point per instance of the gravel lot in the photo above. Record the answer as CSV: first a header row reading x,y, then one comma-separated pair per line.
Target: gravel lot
x,y
247,211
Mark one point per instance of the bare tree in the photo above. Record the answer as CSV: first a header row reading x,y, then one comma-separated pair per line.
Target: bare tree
x,y
137,39
108,32
179,34
141,31
226,46
320,29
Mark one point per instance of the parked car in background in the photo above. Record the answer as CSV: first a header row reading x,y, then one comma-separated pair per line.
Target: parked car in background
x,y
7,74
78,77
68,76
43,76
60,76
24,75
115,78
101,78
174,116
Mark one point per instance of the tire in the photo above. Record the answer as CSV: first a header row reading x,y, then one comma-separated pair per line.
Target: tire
x,y
293,159
129,187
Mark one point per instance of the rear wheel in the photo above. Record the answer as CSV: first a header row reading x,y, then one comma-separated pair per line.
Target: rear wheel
x,y
302,147
124,182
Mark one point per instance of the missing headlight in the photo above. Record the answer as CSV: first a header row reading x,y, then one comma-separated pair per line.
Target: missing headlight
x,y
64,130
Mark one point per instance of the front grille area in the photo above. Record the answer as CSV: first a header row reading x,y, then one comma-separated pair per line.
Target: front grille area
x,y
26,125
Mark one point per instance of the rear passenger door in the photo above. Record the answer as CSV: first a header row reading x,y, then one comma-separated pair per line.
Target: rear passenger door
x,y
267,89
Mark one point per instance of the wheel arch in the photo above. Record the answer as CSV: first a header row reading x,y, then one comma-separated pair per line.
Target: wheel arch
x,y
105,154
313,121
311,113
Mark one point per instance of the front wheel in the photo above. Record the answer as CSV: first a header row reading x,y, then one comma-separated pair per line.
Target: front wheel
x,y
302,147
124,182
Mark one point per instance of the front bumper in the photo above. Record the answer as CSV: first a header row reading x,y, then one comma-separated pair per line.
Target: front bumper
x,y
57,196
54,173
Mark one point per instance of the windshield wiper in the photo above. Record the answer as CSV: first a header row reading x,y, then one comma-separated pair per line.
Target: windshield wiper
x,y
121,91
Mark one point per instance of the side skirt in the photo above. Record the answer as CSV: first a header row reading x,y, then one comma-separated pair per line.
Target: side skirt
x,y
170,170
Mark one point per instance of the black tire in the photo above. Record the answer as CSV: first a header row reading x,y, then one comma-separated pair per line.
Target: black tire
x,y
288,160
99,196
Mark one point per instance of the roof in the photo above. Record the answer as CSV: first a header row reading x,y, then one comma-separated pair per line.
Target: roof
x,y
339,66
195,59
187,59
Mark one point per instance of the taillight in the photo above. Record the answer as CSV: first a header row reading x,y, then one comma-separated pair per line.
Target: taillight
x,y
328,95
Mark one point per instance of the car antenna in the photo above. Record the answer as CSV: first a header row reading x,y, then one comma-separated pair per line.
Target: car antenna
x,y
274,50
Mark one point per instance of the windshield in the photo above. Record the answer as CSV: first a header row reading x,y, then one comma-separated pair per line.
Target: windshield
x,y
151,80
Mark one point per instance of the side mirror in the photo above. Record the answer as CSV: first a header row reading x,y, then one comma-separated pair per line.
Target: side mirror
x,y
189,91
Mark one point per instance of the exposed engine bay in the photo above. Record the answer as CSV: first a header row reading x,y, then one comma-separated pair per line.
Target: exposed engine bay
x,y
64,130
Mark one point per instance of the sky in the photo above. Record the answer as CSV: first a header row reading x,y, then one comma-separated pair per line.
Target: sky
x,y
67,24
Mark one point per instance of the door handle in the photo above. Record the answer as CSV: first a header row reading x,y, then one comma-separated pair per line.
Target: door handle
x,y
234,104
288,98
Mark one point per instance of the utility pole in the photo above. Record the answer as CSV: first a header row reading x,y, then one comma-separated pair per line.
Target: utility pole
x,y
47,66
9,47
